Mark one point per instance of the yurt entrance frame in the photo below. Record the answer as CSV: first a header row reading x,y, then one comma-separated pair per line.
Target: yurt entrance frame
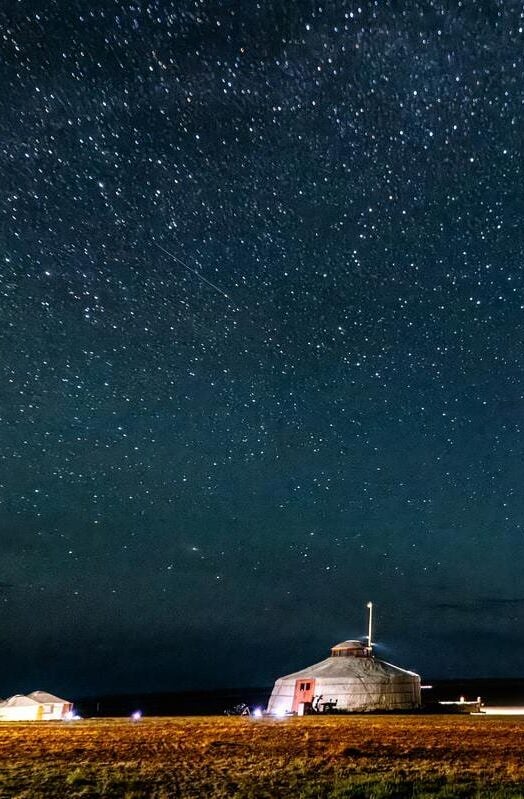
x,y
304,692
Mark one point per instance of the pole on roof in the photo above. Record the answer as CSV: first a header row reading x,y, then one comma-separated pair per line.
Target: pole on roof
x,y
370,625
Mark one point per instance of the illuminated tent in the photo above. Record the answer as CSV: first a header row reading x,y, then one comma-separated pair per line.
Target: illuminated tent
x,y
19,708
351,679
53,706
38,706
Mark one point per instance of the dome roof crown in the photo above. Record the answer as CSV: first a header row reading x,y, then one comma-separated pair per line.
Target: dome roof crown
x,y
350,649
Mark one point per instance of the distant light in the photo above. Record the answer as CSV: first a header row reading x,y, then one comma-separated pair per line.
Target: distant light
x,y
504,711
137,715
257,713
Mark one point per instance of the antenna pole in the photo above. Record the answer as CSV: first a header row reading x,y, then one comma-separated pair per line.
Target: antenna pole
x,y
370,626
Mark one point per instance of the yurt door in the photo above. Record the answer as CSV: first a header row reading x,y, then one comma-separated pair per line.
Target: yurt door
x,y
304,692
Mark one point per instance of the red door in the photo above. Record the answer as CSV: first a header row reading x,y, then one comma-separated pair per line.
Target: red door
x,y
304,692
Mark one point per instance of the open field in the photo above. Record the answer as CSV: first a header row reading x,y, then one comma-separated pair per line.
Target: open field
x,y
375,756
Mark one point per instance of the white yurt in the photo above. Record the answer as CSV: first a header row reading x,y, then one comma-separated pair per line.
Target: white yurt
x,y
52,706
38,706
351,679
19,708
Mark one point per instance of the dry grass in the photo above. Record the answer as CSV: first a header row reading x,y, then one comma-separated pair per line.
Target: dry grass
x,y
313,758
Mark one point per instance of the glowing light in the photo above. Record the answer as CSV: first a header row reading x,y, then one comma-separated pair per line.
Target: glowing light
x,y
257,713
137,715
504,711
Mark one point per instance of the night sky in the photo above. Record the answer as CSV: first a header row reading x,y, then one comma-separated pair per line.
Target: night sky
x,y
262,339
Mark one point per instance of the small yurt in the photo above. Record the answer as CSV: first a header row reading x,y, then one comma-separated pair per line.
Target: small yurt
x,y
38,706
20,708
52,706
351,679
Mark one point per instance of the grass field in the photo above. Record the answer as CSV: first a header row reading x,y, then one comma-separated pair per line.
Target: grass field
x,y
375,756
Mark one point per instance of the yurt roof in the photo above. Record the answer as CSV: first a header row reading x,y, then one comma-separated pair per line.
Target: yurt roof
x,y
46,698
352,644
357,668
19,700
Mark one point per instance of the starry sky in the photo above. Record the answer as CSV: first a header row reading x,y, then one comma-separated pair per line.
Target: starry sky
x,y
261,339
